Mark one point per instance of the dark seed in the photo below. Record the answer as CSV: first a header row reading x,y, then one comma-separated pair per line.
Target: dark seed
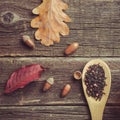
x,y
95,81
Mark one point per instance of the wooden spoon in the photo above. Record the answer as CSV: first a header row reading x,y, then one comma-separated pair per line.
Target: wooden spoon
x,y
97,107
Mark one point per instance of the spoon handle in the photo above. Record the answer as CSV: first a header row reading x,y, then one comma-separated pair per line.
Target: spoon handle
x,y
97,116
97,112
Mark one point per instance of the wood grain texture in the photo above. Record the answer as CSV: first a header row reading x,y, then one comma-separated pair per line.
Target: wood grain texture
x,y
62,70
54,112
95,25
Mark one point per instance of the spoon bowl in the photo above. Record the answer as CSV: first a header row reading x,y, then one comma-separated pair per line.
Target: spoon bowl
x,y
97,107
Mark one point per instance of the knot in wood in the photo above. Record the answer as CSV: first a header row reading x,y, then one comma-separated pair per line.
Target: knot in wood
x,y
7,17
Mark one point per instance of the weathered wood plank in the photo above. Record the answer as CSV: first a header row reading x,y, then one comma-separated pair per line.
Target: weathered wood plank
x,y
55,112
95,26
62,70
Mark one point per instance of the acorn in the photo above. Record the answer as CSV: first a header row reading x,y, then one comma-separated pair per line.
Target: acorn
x,y
71,48
77,75
66,90
48,84
28,41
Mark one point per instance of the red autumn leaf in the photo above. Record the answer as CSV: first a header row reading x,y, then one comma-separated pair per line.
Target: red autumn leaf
x,y
23,76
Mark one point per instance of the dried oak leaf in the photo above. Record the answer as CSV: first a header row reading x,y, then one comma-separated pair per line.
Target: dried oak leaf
x,y
50,22
21,77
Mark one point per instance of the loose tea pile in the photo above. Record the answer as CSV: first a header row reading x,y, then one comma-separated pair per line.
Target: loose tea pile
x,y
95,81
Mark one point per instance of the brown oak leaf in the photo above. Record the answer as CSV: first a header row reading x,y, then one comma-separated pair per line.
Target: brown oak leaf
x,y
50,22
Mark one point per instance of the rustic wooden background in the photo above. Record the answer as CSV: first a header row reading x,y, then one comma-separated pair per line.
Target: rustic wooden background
x,y
95,25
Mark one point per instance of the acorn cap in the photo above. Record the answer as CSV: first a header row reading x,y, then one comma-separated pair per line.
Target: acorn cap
x,y
77,75
25,37
50,80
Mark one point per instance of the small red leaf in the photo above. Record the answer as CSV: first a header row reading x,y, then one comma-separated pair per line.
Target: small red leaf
x,y
23,76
